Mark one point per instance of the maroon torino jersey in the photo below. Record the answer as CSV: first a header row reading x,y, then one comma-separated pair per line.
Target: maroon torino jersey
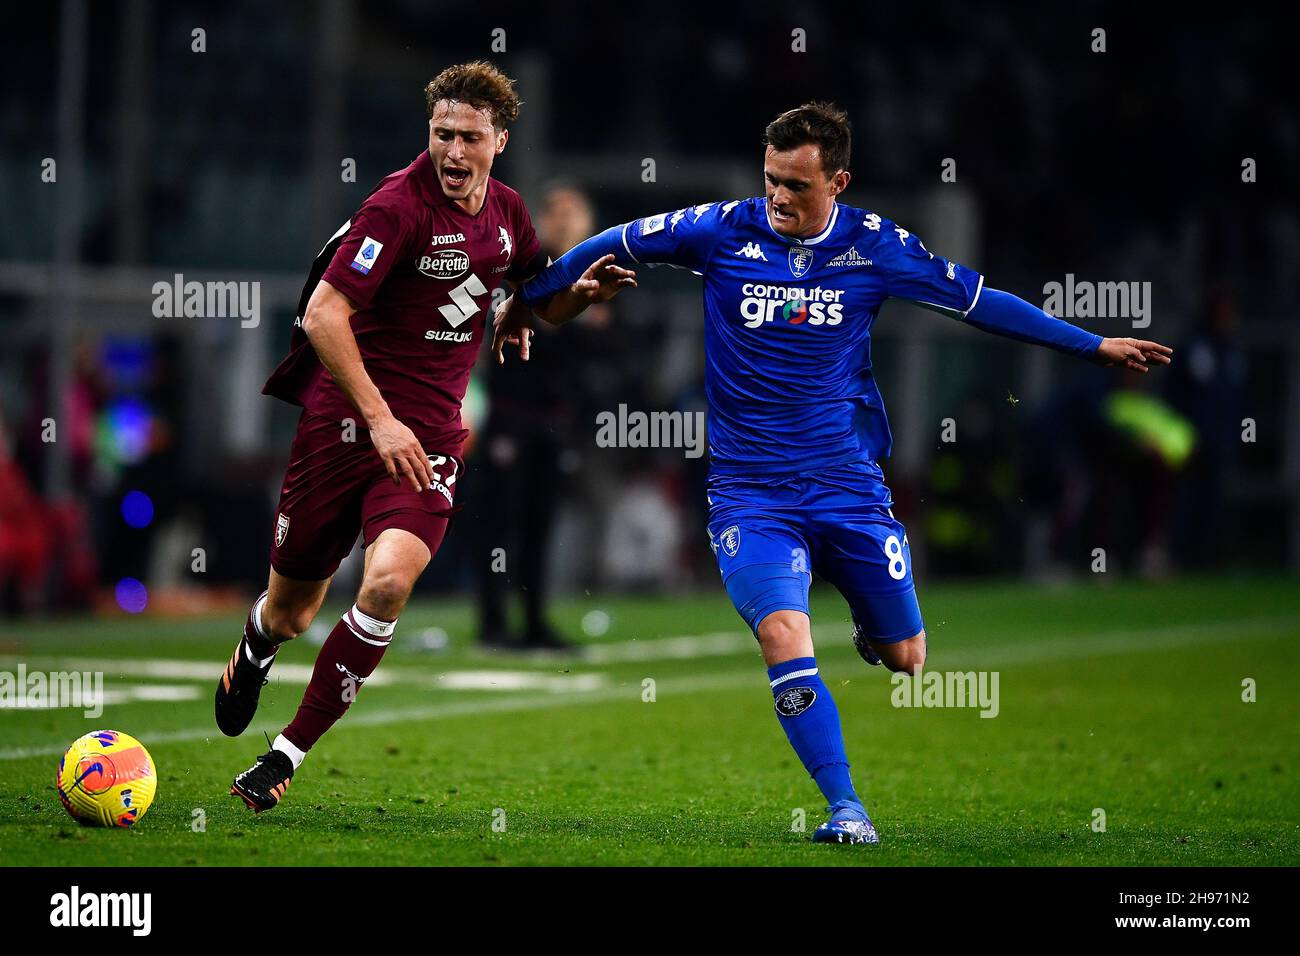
x,y
420,270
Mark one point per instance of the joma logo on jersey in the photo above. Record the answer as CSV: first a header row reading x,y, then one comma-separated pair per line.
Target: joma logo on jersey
x,y
751,250
445,264
447,240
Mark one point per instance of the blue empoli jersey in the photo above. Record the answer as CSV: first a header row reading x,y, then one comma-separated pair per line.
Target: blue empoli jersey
x,y
787,330
788,326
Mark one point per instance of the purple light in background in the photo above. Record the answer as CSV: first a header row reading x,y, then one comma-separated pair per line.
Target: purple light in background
x,y
131,595
137,509
129,422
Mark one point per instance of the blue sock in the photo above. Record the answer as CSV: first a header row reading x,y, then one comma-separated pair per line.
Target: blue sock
x,y
810,719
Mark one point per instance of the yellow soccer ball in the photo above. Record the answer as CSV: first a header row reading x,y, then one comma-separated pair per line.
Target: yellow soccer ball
x,y
107,779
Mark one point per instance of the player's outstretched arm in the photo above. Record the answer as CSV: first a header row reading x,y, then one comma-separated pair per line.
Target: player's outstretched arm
x,y
599,282
599,260
328,327
1005,314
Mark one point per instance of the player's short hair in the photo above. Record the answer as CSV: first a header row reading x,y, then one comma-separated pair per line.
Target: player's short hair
x,y
478,84
823,124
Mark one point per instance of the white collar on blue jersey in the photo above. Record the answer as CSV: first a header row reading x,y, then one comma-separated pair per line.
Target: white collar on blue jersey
x,y
767,217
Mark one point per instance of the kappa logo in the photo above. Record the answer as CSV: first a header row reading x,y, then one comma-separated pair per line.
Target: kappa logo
x,y
801,261
793,702
281,529
752,250
730,540
504,239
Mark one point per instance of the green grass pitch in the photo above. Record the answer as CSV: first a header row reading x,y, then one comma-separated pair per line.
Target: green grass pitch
x,y
1125,698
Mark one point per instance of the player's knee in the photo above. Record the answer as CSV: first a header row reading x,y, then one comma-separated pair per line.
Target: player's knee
x,y
384,593
907,657
785,635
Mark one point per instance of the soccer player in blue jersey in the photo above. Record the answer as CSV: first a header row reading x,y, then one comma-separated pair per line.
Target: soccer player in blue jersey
x,y
793,282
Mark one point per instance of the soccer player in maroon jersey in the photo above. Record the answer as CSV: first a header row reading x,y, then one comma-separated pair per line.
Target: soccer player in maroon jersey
x,y
390,323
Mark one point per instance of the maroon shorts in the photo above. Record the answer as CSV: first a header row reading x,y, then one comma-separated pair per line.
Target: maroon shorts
x,y
334,490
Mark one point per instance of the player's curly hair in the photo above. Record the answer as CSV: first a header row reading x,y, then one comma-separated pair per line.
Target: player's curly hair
x,y
479,84
823,124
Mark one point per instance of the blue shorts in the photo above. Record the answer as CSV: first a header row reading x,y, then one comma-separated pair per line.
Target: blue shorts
x,y
772,533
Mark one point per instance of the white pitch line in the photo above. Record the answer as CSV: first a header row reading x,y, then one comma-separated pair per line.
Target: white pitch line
x,y
721,644
1112,643
160,668
120,694
467,708
943,649
518,680
205,672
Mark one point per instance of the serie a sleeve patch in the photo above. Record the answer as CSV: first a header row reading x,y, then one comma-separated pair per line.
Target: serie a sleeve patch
x,y
653,224
367,255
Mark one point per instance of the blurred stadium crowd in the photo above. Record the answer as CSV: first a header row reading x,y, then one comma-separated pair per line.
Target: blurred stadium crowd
x,y
1123,165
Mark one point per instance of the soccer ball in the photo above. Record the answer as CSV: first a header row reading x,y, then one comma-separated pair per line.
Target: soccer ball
x,y
107,779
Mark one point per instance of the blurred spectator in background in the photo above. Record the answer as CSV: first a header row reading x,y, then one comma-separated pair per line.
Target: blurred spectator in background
x,y
1209,387
46,555
1110,453
535,445
971,497
1146,445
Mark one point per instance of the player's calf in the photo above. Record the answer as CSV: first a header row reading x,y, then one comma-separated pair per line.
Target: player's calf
x,y
906,656
345,662
240,686
351,653
282,612
807,713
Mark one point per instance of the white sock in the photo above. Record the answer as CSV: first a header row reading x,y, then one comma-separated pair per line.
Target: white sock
x,y
257,615
257,623
289,750
361,624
